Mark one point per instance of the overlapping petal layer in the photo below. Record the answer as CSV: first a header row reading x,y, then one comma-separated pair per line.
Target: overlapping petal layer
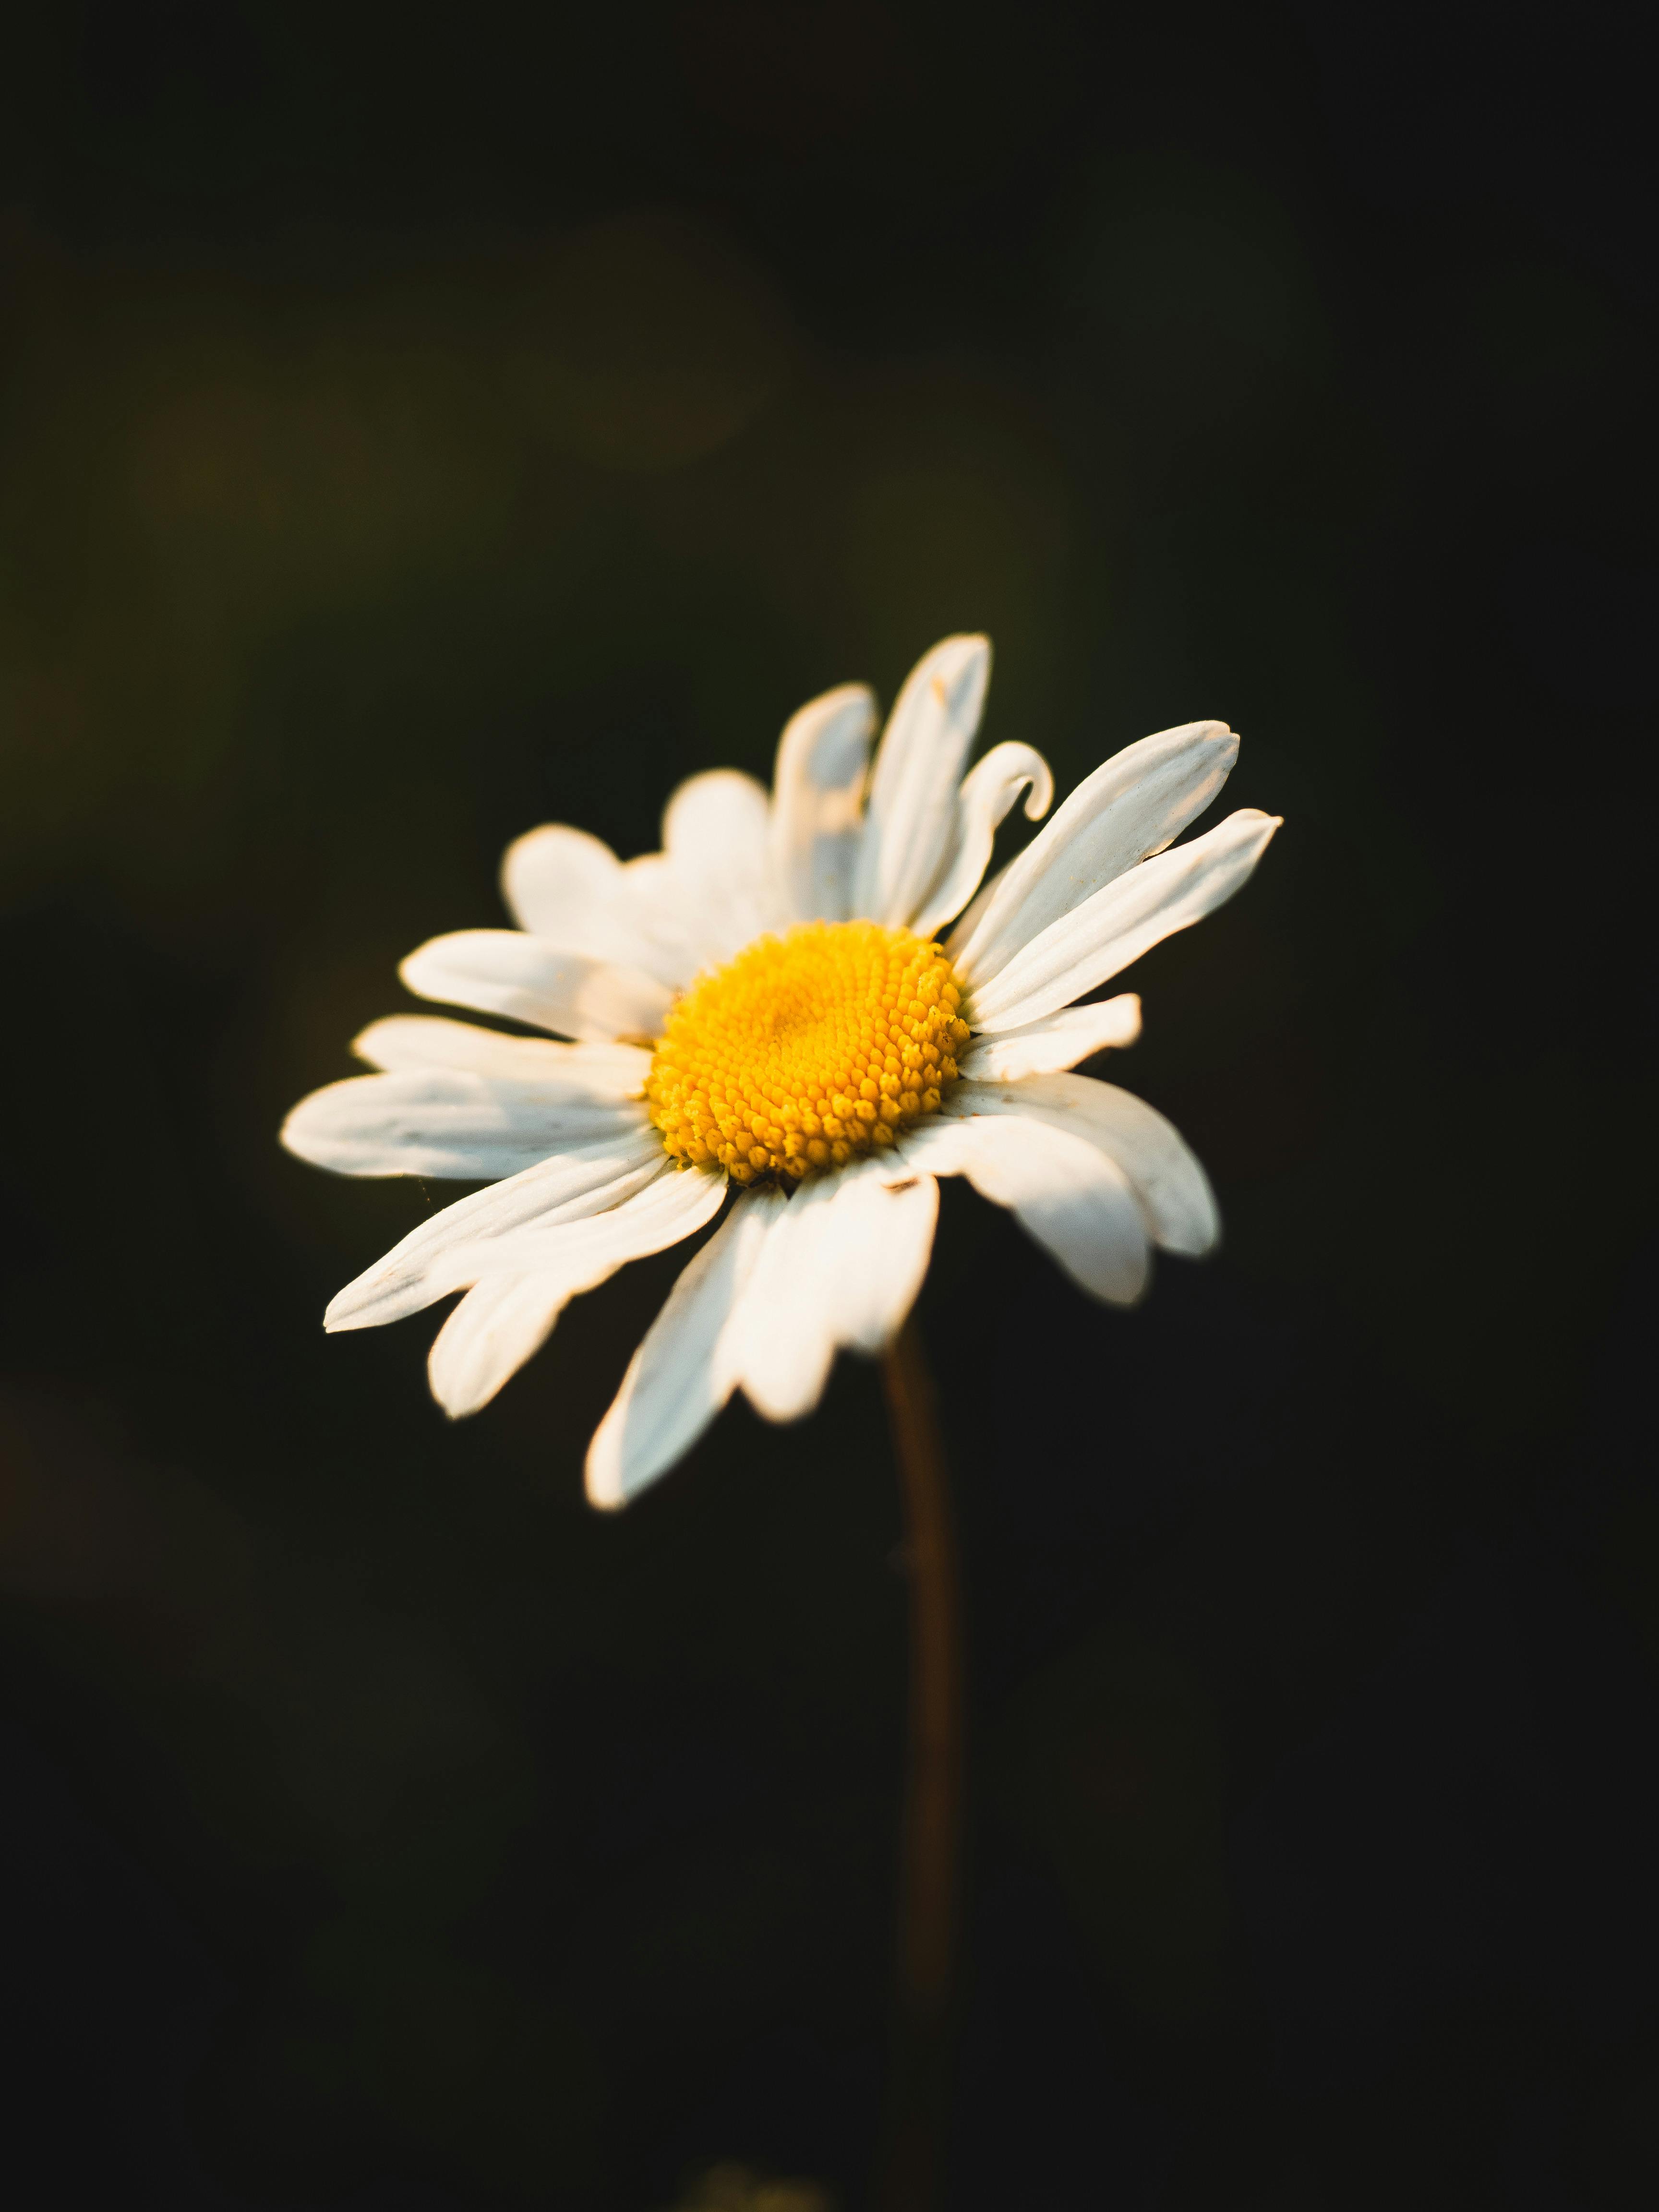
x,y
1095,940
841,1263
1173,1190
766,1304
1132,806
1072,1198
521,1280
678,1379
568,1186
987,791
605,948
1056,1041
912,786
504,971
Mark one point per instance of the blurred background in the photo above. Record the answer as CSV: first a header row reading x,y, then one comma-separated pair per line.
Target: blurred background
x,y
417,428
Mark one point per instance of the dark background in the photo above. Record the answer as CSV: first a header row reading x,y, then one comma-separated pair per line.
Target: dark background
x,y
417,426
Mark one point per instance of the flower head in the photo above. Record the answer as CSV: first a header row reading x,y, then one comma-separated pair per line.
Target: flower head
x,y
807,1050
763,1013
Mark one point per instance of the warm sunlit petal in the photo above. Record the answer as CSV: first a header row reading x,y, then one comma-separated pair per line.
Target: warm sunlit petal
x,y
1095,940
715,833
911,817
502,971
841,1267
1064,1192
818,802
589,1180
989,790
534,1272
761,1004
1058,1040
561,884
677,1381
1132,806
1173,1189
403,1041
662,1212
571,890
445,1122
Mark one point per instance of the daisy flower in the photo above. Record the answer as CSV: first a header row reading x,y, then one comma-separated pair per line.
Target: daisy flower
x,y
765,1021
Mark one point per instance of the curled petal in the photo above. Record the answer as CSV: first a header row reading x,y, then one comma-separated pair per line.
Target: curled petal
x,y
989,790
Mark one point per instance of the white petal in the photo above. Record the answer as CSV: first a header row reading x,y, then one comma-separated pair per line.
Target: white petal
x,y
1058,1040
1174,1191
441,1122
662,912
552,879
840,1265
561,884
989,790
1133,805
1064,1192
776,1344
876,1249
501,1322
571,890
818,798
589,1180
1118,924
912,813
970,921
587,1071
715,832
502,971
663,1211
509,1314
676,1383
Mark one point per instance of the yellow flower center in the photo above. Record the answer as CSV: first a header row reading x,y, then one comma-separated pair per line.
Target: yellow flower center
x,y
806,1050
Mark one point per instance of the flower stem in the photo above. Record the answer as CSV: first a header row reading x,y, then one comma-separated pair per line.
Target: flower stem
x,y
931,1846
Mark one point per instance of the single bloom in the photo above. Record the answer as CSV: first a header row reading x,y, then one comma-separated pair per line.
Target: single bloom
x,y
765,1020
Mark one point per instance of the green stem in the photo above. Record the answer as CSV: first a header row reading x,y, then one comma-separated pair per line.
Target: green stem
x,y
931,1847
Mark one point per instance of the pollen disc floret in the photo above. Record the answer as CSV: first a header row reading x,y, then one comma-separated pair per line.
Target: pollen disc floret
x,y
807,1050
